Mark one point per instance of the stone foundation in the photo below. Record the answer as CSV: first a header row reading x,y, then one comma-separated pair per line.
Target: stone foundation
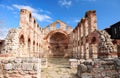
x,y
25,67
107,68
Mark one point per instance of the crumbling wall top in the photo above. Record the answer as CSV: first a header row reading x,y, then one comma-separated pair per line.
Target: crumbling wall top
x,y
89,13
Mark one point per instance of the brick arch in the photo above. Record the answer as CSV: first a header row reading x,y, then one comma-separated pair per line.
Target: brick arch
x,y
29,42
55,31
21,39
58,41
93,38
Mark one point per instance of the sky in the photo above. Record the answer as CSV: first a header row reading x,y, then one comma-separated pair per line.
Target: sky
x,y
48,11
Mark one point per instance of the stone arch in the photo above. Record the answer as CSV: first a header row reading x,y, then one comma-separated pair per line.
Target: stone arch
x,y
34,23
93,40
30,17
57,25
58,43
29,44
33,46
52,32
37,47
21,44
21,39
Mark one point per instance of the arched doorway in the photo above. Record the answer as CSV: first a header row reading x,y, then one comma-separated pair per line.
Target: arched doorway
x,y
58,44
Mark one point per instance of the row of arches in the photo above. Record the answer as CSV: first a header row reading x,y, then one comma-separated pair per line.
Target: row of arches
x,y
31,48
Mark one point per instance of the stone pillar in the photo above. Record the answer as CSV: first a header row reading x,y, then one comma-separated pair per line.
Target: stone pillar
x,y
24,18
80,39
91,16
86,40
87,50
77,42
82,52
35,37
25,53
82,48
94,50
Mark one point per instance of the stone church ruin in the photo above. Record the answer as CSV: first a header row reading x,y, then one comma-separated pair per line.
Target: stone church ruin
x,y
58,39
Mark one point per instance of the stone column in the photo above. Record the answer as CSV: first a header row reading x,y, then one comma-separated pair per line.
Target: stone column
x,y
91,16
82,48
94,50
35,37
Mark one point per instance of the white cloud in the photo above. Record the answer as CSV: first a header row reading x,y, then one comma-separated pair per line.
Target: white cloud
x,y
44,11
66,3
4,30
40,17
10,8
76,20
25,7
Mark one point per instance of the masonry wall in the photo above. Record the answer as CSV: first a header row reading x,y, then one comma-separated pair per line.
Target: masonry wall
x,y
20,68
53,43
83,46
24,40
90,43
98,68
30,34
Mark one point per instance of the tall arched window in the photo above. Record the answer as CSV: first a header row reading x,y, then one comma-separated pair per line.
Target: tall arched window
x,y
21,39
57,26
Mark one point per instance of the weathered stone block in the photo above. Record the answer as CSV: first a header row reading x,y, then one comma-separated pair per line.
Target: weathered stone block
x,y
36,67
73,63
86,75
18,60
8,66
17,66
27,66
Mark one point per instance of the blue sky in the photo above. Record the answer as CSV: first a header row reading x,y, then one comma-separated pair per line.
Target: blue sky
x,y
69,11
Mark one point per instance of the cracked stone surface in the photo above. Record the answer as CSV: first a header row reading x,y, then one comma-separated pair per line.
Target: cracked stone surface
x,y
58,68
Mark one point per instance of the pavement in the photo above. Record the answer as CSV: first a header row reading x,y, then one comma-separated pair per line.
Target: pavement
x,y
58,68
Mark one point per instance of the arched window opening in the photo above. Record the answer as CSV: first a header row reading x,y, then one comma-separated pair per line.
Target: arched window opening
x,y
29,45
29,42
34,22
30,17
93,40
21,39
33,46
57,26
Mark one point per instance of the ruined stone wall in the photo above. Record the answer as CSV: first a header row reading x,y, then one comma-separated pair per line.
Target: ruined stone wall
x,y
106,68
11,43
26,67
83,46
25,40
31,40
30,34
88,42
61,48
106,49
